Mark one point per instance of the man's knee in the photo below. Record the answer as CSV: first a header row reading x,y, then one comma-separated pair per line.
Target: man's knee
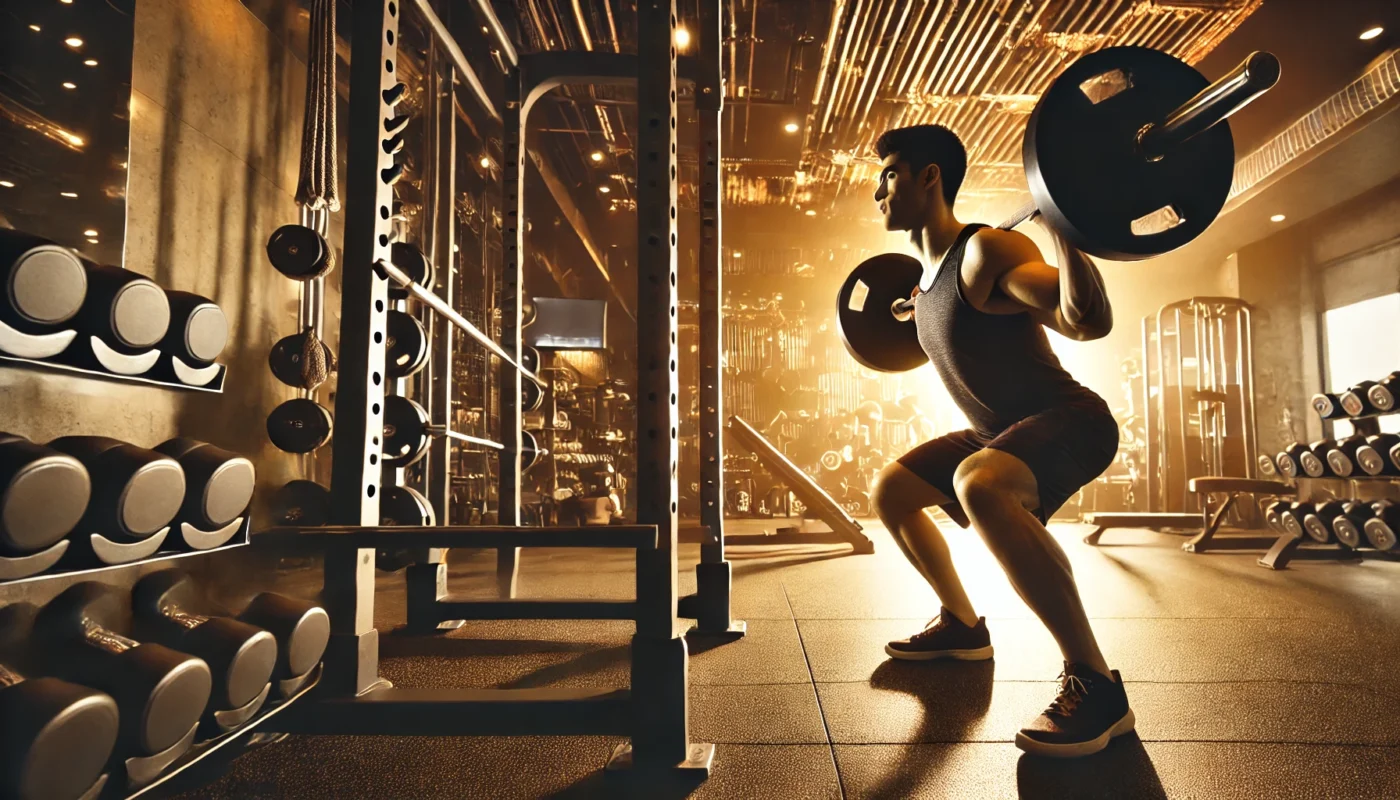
x,y
992,480
895,495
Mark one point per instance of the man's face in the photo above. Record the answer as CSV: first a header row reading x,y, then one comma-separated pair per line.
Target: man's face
x,y
902,196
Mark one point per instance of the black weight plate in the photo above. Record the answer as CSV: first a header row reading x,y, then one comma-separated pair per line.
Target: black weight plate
x,y
1083,165
530,358
285,358
409,258
405,431
529,450
531,396
404,505
869,329
299,426
299,252
405,345
302,503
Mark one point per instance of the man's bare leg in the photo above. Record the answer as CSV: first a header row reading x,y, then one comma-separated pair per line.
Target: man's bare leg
x,y
996,490
899,499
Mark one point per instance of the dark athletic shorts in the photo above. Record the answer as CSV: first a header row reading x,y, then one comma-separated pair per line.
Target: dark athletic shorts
x,y
1066,447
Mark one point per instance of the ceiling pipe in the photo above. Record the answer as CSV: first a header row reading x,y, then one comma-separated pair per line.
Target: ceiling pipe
x,y
498,32
459,59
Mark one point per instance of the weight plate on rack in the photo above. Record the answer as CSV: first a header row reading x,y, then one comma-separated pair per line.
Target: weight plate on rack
x,y
405,345
299,426
406,437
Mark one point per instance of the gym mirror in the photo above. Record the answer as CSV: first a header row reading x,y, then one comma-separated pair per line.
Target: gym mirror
x,y
65,99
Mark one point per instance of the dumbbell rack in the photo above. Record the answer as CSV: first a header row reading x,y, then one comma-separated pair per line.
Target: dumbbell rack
x,y
352,698
216,386
1358,488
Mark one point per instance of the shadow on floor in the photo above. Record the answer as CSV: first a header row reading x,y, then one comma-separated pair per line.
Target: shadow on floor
x,y
603,785
1122,770
952,695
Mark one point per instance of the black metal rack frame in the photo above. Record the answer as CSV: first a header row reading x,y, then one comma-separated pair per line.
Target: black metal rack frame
x,y
352,698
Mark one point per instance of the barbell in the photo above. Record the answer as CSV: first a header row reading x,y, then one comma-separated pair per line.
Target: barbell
x,y
1127,156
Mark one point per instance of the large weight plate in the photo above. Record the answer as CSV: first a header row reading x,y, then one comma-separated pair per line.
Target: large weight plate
x,y
1083,165
869,329
299,426
406,437
405,345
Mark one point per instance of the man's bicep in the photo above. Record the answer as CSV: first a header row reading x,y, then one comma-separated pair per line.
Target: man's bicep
x,y
1034,285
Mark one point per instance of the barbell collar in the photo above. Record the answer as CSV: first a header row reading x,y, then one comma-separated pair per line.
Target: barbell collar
x,y
1255,75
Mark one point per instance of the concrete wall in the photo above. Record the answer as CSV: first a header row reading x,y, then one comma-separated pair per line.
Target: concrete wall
x,y
1347,254
216,116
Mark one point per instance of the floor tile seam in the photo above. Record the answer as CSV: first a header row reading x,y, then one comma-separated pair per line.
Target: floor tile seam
x,y
1381,688
826,727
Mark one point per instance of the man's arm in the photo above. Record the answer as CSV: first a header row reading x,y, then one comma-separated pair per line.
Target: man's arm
x,y
1071,300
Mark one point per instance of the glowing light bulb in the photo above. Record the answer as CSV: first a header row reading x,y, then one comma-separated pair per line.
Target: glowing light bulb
x,y
91,62
7,184
596,155
1371,33
1277,218
791,127
73,41
811,212
89,232
604,189
682,37
485,162
35,28
68,194
69,85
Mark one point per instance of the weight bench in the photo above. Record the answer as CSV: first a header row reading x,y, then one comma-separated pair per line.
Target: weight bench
x,y
1208,519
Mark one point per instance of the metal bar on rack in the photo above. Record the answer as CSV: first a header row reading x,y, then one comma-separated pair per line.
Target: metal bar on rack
x,y
497,31
352,657
440,430
442,308
441,384
511,300
449,43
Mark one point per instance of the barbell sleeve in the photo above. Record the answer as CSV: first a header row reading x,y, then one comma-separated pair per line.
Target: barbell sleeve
x,y
1255,75
450,314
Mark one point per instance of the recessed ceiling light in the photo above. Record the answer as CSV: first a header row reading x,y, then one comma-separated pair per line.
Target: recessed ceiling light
x,y
92,241
91,62
811,212
604,189
69,85
791,127
1371,33
73,41
89,232
7,184
485,162
596,155
1277,218
68,194
35,28
738,254
682,37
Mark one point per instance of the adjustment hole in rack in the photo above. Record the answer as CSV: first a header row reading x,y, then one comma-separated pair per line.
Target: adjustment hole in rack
x,y
373,459
370,490
378,337
375,440
393,10
375,408
389,37
377,378
383,240
388,65
378,305
383,212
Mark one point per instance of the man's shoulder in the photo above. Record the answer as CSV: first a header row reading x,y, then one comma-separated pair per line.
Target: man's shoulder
x,y
993,251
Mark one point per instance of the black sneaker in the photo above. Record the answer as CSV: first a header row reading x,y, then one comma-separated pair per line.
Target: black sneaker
x,y
945,637
1090,710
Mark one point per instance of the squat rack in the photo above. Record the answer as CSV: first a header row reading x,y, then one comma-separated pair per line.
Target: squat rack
x,y
653,712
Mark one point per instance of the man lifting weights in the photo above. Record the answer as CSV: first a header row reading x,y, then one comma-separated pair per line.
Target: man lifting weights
x,y
1036,434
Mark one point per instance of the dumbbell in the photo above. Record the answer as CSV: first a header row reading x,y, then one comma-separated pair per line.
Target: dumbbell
x,y
300,253
291,362
1385,393
407,257
305,503
301,629
1328,405
126,310
135,492
1293,518
55,736
240,656
405,345
1348,526
45,283
161,694
1382,528
1267,467
1341,458
198,329
1318,523
43,494
218,483
1356,402
1273,514
300,425
1287,460
1380,455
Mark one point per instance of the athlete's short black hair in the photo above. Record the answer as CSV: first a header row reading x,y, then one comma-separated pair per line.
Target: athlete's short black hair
x,y
921,145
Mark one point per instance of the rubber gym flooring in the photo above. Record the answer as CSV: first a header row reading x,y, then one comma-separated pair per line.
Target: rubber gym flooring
x,y
1246,682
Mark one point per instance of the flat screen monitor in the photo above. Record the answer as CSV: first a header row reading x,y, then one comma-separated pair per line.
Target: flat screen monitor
x,y
563,323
